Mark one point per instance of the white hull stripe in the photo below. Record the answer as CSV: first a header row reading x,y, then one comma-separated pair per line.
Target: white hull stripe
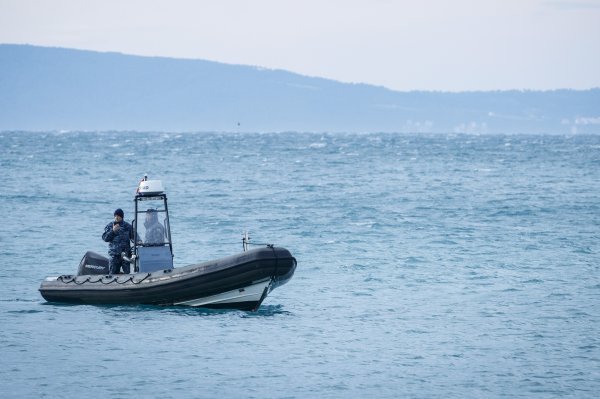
x,y
251,293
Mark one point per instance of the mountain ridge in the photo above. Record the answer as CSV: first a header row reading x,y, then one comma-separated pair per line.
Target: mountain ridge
x,y
53,88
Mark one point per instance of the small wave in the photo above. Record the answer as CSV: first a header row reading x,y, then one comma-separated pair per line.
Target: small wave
x,y
413,259
533,281
559,295
20,300
267,311
25,311
586,251
444,242
587,347
593,287
417,331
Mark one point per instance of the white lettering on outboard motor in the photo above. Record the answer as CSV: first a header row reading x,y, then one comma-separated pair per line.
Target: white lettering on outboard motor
x,y
94,267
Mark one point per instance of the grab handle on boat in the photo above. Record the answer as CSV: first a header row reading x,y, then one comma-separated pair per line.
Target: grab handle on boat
x,y
129,259
245,240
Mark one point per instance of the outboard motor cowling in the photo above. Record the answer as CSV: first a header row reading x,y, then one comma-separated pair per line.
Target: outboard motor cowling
x,y
93,263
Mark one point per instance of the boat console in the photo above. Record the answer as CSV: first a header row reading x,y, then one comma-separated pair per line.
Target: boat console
x,y
153,248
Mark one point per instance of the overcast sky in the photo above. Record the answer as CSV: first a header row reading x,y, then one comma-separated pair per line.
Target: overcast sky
x,y
404,45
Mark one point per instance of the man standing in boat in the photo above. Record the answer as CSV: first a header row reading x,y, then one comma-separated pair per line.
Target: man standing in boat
x,y
118,235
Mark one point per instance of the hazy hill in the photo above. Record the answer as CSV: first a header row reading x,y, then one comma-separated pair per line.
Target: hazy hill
x,y
44,88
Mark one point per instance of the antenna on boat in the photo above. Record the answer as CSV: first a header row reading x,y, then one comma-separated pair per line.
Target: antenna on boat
x,y
245,240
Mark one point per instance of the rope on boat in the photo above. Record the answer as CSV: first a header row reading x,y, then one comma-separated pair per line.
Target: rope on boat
x,y
130,278
139,281
112,278
67,279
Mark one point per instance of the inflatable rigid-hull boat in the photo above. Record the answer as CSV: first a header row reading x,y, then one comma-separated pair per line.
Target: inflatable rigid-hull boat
x,y
239,281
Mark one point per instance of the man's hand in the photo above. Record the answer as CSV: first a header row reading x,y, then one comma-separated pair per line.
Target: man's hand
x,y
116,227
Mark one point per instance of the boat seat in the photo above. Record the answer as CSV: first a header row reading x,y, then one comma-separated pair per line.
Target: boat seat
x,y
153,258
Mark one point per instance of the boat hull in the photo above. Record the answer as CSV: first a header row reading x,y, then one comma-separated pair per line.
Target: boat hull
x,y
236,282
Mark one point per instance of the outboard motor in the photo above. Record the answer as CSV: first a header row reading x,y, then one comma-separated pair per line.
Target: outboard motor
x,y
93,263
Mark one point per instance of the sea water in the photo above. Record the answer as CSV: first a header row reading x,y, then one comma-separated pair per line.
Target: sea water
x,y
429,266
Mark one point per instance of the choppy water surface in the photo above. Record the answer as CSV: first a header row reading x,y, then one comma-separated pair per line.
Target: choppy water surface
x,y
428,266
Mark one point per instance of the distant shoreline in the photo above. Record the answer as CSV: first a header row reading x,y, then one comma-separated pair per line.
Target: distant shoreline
x,y
47,88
